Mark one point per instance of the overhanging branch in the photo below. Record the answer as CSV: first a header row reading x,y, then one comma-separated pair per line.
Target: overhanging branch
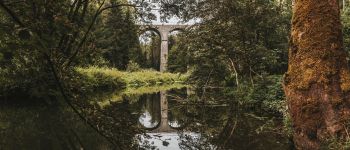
x,y
11,13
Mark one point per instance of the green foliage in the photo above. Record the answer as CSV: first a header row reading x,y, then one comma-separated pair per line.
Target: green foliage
x,y
346,30
274,98
56,35
267,93
178,58
44,38
235,40
22,75
150,77
117,39
100,79
133,66
151,46
113,78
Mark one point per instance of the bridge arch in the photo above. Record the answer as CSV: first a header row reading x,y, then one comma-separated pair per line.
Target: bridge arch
x,y
163,31
177,29
145,29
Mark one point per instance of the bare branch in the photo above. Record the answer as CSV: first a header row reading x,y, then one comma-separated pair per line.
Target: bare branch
x,y
11,13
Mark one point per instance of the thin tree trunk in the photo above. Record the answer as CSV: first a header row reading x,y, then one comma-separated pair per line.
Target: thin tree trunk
x,y
235,71
317,83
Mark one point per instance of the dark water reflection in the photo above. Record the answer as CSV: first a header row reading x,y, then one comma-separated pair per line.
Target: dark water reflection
x,y
173,119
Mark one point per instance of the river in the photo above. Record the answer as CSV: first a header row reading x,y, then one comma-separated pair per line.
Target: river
x,y
162,117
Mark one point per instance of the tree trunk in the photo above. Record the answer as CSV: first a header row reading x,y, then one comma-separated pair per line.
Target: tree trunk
x,y
317,84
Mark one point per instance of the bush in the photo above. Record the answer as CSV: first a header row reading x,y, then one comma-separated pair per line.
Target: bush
x,y
94,78
20,78
110,78
150,77
133,66
267,93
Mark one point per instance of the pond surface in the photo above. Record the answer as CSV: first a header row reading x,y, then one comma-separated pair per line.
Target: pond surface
x,y
166,118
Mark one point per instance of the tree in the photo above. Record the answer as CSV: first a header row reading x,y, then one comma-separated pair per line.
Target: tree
x,y
236,40
178,57
150,44
45,41
317,84
155,48
346,29
118,39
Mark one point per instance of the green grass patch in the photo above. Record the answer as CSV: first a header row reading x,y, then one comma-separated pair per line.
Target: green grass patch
x,y
95,78
103,78
151,78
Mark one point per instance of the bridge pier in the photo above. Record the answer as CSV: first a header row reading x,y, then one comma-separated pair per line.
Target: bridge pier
x,y
164,50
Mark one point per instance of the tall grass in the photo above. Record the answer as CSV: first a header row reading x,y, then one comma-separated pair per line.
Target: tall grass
x,y
106,77
150,78
94,78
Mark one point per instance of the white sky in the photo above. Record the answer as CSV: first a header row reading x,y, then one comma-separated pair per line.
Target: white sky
x,y
172,21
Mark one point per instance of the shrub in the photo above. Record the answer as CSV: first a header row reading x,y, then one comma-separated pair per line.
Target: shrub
x,y
133,66
109,78
94,78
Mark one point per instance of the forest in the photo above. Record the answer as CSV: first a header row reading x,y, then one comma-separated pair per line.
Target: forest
x,y
175,74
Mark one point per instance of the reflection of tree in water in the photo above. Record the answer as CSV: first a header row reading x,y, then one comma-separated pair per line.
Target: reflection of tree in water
x,y
150,107
41,126
212,121
116,123
225,125
177,112
204,124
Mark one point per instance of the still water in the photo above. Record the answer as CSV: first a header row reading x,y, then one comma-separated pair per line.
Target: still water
x,y
165,118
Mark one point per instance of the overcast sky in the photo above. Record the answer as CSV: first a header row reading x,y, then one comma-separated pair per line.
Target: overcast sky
x,y
172,21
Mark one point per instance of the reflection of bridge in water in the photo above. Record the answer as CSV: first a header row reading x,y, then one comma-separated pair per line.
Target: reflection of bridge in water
x,y
164,124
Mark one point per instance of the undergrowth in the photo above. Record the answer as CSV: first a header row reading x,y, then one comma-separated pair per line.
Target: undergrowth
x,y
113,78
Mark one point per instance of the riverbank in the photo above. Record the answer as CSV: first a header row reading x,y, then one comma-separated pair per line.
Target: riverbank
x,y
111,78
87,81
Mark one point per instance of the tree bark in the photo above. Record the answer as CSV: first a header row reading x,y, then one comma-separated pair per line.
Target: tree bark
x,y
317,84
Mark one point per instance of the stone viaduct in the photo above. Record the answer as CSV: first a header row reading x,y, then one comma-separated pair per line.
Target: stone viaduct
x,y
163,31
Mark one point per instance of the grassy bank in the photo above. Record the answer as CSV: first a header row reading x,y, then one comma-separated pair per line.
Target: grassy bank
x,y
97,78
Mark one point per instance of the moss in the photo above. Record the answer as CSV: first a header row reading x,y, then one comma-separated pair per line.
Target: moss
x,y
345,80
315,64
306,80
312,56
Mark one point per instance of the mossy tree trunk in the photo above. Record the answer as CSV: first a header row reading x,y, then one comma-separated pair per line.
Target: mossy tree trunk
x,y
317,84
